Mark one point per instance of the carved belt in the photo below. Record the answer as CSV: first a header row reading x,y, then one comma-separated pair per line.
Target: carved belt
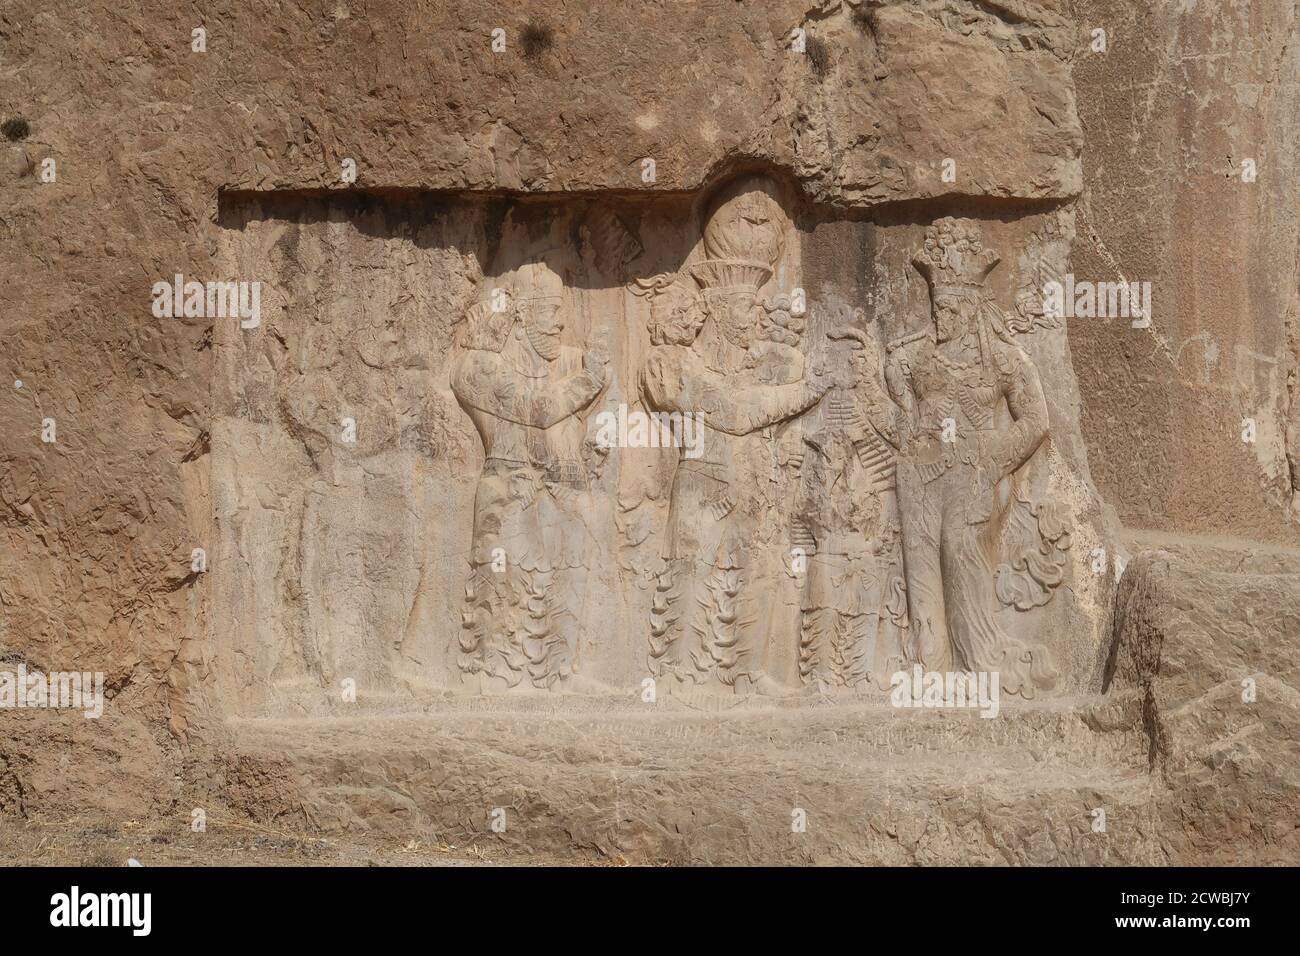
x,y
571,474
965,449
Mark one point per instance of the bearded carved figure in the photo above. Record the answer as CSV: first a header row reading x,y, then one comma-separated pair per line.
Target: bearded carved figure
x,y
972,415
524,391
725,537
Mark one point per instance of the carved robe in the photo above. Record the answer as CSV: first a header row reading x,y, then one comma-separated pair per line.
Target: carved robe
x,y
853,608
706,621
957,447
528,559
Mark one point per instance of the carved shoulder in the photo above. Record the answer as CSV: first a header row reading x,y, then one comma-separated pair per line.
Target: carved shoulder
x,y
478,375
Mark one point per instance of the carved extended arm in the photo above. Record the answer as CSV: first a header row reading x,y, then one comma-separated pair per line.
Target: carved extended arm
x,y
675,383
900,393
1029,409
481,381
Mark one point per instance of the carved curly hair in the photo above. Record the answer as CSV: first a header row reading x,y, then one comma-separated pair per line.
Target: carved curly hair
x,y
677,310
487,329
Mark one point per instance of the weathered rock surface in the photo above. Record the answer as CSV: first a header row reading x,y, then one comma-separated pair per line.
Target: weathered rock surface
x,y
146,134
877,785
1191,184
1213,655
182,433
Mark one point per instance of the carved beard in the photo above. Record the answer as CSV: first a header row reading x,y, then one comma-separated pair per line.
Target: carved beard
x,y
959,327
547,346
946,327
737,330
735,318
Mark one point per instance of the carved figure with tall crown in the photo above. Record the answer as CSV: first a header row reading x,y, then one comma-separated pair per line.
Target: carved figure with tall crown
x,y
972,415
722,545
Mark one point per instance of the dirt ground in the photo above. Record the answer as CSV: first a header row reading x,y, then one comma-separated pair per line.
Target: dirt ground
x,y
44,843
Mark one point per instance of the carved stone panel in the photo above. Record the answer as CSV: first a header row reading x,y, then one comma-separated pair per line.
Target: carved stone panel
x,y
723,444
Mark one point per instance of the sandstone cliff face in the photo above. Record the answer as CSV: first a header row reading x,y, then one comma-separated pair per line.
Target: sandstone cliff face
x,y
147,135
1211,653
1186,102
173,161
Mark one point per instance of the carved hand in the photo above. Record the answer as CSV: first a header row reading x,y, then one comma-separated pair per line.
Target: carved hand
x,y
826,371
820,378
986,478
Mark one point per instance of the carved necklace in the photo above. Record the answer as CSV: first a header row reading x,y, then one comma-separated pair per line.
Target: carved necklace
x,y
952,365
972,392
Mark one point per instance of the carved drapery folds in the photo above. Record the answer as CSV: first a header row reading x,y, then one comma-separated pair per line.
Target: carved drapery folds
x,y
529,556
853,507
972,417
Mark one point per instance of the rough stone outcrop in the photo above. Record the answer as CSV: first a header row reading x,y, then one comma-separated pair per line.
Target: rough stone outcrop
x,y
147,134
1212,655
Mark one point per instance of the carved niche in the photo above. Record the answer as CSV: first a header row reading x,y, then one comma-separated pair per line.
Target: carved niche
x,y
667,440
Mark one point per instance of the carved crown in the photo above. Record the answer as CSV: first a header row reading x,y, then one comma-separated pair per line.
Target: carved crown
x,y
729,274
746,223
536,280
953,258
